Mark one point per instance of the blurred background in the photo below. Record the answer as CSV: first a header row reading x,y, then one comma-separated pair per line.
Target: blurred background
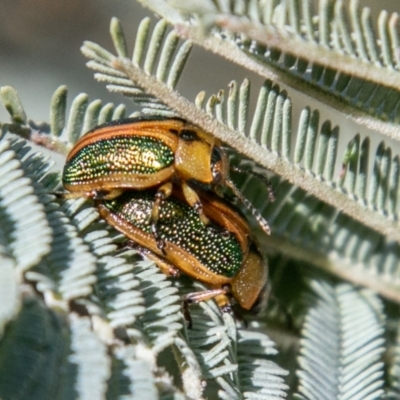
x,y
40,44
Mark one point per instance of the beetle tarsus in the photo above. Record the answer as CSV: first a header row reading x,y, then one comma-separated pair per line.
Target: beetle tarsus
x,y
225,234
162,193
174,272
59,195
199,209
104,194
160,242
161,245
186,312
227,308
165,266
97,194
194,201
127,244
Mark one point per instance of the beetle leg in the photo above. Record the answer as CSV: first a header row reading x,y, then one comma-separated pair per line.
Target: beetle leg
x,y
93,194
104,194
162,193
194,201
166,267
196,297
69,195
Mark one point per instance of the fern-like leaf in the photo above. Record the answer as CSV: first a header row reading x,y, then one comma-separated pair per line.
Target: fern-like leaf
x,y
236,359
342,345
25,231
162,57
332,52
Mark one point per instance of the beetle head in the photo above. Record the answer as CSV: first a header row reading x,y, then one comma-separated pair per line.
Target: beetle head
x,y
200,158
248,286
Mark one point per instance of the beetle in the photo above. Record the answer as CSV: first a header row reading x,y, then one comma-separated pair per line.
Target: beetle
x,y
143,153
149,152
219,254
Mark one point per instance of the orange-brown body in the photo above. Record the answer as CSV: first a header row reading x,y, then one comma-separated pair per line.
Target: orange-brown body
x,y
144,153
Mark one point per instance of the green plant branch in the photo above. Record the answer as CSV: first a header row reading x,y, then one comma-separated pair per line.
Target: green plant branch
x,y
316,54
232,53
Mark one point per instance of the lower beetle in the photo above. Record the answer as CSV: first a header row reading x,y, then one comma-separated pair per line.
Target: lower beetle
x,y
220,254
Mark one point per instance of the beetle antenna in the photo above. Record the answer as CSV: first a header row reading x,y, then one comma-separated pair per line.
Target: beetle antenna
x,y
260,219
261,177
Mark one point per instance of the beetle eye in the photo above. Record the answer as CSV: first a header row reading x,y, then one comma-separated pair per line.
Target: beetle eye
x,y
188,135
216,155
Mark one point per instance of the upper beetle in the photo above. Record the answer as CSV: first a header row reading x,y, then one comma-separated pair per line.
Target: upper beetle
x,y
221,254
149,152
143,153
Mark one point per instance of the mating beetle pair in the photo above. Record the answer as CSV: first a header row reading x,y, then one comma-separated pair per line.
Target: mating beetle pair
x,y
163,153
145,153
